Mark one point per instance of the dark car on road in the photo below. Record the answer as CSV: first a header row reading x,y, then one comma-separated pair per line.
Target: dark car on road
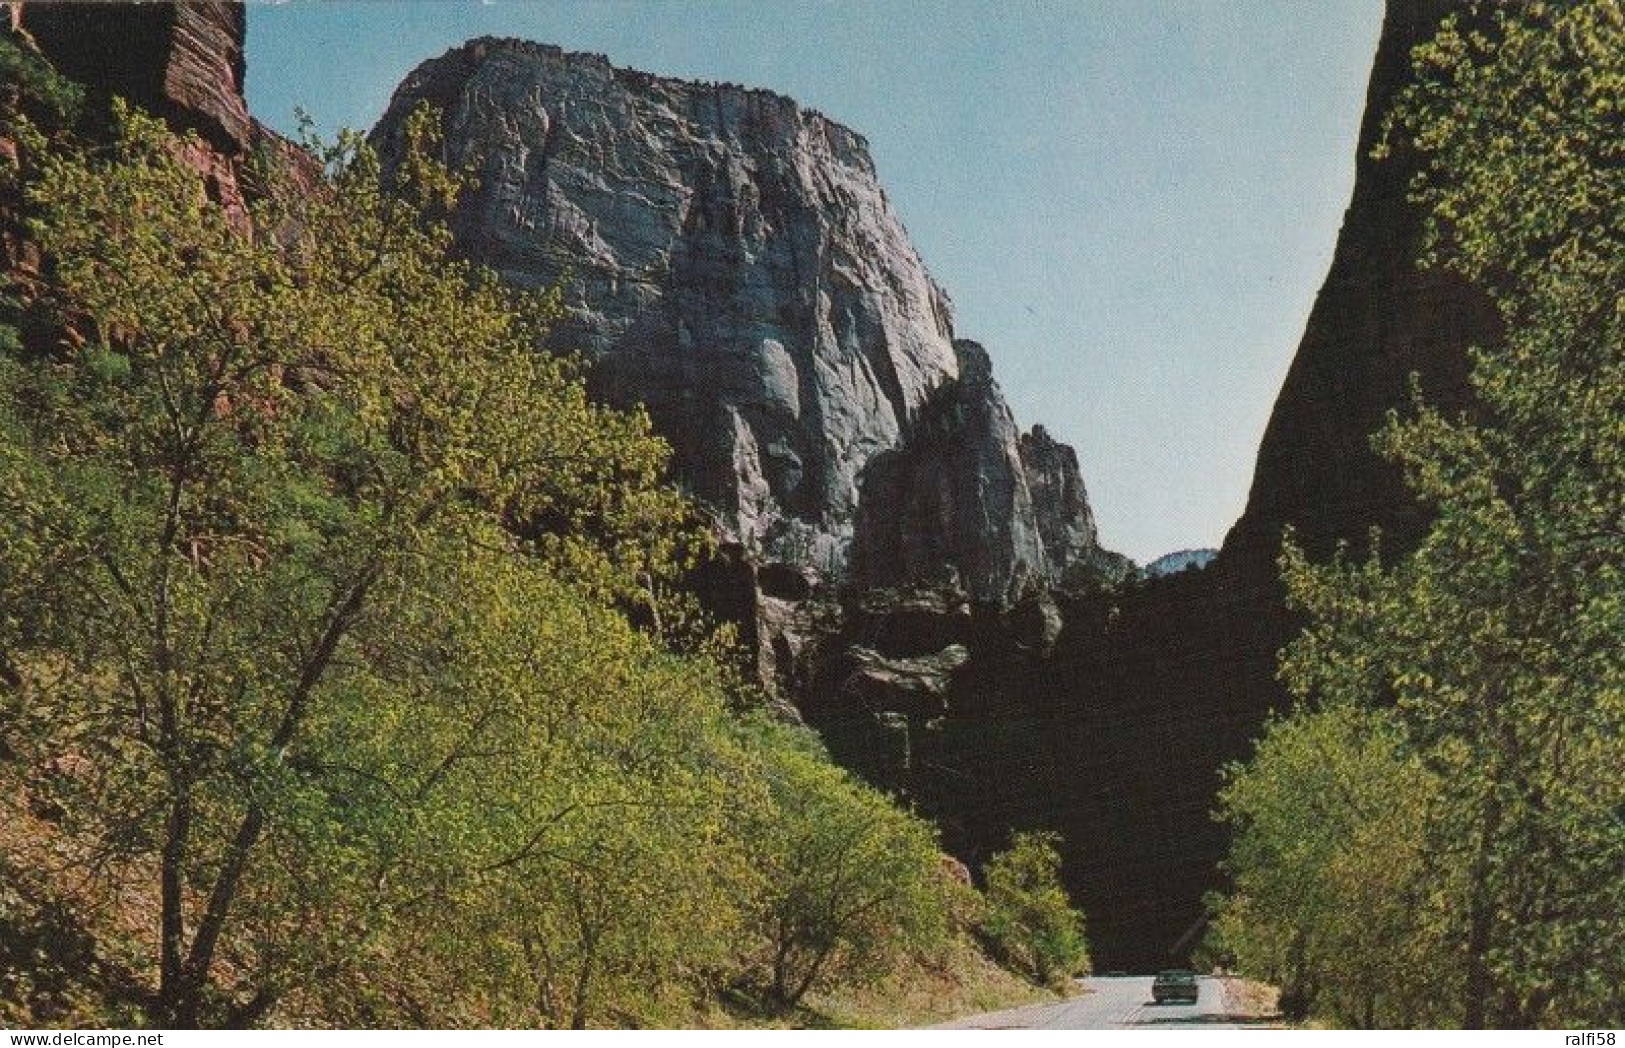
x,y
1174,985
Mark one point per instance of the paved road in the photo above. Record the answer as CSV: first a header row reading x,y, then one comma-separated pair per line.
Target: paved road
x,y
1120,1003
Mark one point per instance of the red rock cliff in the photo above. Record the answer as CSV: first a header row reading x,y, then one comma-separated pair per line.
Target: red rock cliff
x,y
182,61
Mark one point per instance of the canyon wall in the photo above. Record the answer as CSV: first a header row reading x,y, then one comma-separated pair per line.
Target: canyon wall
x,y
1115,734
924,580
1378,319
729,261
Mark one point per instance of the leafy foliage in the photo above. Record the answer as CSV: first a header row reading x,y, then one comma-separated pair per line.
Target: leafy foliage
x,y
850,884
571,855
37,89
1335,890
1497,642
237,491
320,643
1028,915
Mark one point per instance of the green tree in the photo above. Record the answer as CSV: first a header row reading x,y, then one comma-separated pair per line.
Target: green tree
x,y
232,492
850,884
1028,915
574,859
1497,641
1332,888
318,593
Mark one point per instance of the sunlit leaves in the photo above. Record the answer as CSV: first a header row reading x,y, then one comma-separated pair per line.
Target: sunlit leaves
x,y
1028,914
1497,642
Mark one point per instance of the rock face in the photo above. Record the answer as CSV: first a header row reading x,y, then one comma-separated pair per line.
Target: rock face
x,y
1066,524
953,497
182,61
1377,319
731,263
739,271
1116,735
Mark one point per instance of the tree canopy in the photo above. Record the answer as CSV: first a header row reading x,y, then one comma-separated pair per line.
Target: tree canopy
x,y
1496,644
1028,915
341,650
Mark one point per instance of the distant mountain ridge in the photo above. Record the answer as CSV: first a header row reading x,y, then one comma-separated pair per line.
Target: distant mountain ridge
x,y
1177,561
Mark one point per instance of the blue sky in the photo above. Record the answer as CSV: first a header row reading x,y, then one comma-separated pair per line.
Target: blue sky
x,y
1131,202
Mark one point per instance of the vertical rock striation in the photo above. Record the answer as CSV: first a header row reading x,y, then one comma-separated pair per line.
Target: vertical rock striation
x,y
952,500
182,61
729,260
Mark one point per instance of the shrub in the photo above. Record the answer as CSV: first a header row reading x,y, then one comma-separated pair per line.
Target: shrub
x,y
1029,917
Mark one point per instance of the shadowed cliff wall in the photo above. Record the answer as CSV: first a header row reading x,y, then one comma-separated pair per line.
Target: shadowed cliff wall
x,y
1116,737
